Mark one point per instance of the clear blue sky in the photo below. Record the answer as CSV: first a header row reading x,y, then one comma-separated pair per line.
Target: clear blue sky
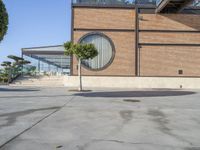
x,y
35,23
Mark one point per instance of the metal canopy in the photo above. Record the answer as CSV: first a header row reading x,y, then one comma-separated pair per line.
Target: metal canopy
x,y
173,6
53,55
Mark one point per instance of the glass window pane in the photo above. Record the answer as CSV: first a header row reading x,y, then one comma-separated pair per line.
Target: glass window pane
x,y
105,51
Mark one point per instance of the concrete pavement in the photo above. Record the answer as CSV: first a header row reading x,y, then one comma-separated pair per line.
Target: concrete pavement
x,y
53,118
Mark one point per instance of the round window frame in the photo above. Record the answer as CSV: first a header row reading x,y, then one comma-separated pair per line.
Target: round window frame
x,y
112,46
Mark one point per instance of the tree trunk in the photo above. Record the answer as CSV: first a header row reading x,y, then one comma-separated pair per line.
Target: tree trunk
x,y
9,75
79,74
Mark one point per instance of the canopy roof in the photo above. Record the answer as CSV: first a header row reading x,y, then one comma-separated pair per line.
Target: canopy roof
x,y
53,55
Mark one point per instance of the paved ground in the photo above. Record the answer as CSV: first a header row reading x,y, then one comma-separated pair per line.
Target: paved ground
x,y
51,119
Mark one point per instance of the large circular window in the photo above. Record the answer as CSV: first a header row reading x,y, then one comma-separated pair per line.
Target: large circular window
x,y
105,49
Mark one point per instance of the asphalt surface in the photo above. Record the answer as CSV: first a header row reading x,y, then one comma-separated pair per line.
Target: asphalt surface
x,y
109,119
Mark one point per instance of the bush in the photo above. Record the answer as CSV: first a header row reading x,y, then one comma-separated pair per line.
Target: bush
x,y
3,20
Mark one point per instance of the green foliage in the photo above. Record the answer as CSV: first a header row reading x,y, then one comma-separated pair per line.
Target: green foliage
x,y
6,64
3,76
3,20
23,62
12,69
81,51
31,70
69,48
15,58
18,61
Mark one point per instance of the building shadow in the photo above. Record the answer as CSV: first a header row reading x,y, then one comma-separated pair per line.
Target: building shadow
x,y
17,90
191,21
155,93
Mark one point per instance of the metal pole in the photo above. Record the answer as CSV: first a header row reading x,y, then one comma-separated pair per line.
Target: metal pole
x,y
39,66
22,63
136,37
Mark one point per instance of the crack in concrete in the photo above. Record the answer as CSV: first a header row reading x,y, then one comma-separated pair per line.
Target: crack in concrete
x,y
35,124
88,144
192,148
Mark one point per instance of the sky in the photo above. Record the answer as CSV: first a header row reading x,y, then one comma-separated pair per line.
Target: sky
x,y
34,23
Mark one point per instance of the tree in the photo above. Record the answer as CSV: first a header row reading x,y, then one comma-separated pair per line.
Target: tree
x,y
7,67
15,58
82,52
17,65
14,68
3,20
6,64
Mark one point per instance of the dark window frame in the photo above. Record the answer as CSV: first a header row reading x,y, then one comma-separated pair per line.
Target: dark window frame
x,y
112,46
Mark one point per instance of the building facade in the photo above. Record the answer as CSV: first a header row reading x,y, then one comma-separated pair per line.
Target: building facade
x,y
139,39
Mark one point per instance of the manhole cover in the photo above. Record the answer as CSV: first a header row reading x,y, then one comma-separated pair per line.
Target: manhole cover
x,y
132,100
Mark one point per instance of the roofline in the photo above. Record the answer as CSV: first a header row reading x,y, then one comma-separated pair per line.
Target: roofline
x,y
117,6
41,47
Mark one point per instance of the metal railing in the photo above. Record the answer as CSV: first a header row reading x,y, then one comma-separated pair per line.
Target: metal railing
x,y
158,2
194,3
124,2
104,2
114,2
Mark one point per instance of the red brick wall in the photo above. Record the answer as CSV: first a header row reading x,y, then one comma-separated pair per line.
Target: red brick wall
x,y
167,60
163,59
161,29
96,18
124,41
170,22
170,38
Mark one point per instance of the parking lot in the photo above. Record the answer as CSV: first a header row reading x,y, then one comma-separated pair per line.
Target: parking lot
x,y
109,119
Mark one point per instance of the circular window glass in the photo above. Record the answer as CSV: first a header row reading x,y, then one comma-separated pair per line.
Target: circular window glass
x,y
105,51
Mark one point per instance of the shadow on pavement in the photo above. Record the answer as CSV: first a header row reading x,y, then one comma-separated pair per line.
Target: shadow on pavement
x,y
17,90
34,96
157,93
12,117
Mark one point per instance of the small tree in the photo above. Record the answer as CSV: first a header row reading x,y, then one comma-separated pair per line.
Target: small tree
x,y
82,52
16,59
7,67
14,68
17,65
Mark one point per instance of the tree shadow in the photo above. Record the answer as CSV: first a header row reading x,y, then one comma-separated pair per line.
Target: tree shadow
x,y
156,93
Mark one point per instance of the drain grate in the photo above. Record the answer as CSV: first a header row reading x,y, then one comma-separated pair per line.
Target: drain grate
x,y
132,100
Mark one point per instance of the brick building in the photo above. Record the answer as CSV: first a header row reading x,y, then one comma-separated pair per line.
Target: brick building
x,y
147,39
141,44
